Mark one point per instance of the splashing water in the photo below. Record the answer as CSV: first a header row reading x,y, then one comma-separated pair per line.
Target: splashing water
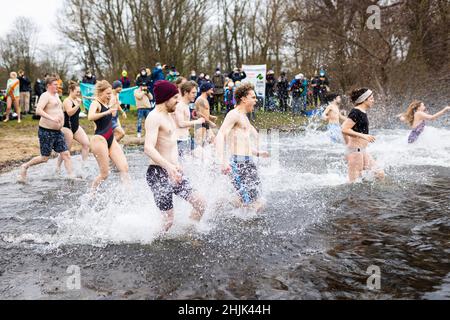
x,y
315,230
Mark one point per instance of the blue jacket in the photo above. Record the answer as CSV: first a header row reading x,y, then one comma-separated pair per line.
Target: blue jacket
x,y
157,75
299,88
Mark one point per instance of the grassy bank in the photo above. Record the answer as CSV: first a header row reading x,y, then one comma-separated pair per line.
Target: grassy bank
x,y
19,142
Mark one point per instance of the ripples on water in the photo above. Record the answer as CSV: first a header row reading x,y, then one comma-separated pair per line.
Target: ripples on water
x,y
315,240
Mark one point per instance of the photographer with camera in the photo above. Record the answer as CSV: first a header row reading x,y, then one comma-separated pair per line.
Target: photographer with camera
x,y
143,105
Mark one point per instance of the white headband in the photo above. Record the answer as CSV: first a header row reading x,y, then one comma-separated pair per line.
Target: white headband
x,y
364,97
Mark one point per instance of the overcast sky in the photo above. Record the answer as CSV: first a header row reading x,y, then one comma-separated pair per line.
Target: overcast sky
x,y
43,12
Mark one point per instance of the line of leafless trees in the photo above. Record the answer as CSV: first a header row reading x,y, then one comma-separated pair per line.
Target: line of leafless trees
x,y
407,53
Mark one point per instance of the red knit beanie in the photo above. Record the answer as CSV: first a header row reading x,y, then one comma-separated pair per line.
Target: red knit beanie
x,y
164,90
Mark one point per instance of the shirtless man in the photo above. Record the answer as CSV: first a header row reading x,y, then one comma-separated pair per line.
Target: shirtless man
x,y
333,115
165,176
182,118
51,137
236,132
202,108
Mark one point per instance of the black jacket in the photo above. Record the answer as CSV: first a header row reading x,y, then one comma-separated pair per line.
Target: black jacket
x,y
39,87
144,81
87,80
283,87
238,76
25,84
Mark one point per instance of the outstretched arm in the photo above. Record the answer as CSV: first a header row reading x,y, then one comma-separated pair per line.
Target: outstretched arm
x,y
426,116
181,123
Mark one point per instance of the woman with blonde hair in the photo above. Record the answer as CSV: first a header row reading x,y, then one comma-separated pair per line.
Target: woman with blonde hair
x,y
12,96
103,144
72,129
416,115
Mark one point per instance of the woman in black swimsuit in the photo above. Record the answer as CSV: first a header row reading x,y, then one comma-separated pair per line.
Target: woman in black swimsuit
x,y
356,127
103,144
72,130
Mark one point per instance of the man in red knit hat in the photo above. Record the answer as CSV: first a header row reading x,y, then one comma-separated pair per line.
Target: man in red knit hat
x,y
165,176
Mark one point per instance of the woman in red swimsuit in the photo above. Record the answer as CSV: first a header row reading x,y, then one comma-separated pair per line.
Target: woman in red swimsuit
x,y
103,144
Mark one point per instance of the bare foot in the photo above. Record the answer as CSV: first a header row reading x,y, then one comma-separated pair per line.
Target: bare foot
x,y
22,178
258,206
19,121
195,216
6,120
72,177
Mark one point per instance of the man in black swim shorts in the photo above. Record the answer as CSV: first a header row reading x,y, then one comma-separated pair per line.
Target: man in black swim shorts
x,y
164,176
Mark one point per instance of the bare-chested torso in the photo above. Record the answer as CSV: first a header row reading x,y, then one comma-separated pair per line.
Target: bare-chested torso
x,y
166,144
239,138
182,134
202,107
52,105
333,115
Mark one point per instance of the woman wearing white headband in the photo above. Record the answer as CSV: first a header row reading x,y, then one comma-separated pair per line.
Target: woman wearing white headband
x,y
356,127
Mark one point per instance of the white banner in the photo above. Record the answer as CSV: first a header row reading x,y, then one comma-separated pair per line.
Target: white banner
x,y
256,74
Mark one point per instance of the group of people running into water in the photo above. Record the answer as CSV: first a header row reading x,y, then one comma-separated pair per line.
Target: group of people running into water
x,y
168,142
354,131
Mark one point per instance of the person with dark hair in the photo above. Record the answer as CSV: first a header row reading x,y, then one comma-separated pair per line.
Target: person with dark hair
x,y
299,90
270,91
237,131
72,129
25,92
356,127
193,76
219,87
333,116
182,118
39,88
144,79
282,89
237,75
50,135
89,78
164,175
203,109
173,75
320,86
229,96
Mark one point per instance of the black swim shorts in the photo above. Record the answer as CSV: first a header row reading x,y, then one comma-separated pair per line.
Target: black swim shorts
x,y
51,140
163,189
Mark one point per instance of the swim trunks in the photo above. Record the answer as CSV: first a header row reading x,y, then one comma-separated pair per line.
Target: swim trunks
x,y
245,178
335,133
163,189
51,140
